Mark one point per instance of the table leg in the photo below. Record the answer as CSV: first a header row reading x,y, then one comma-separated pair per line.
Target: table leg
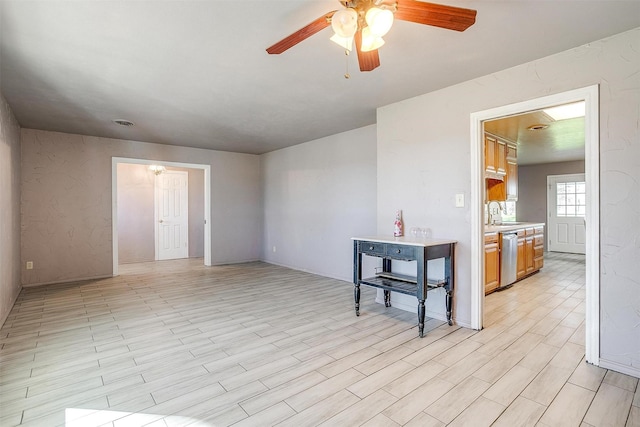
x,y
387,299
449,299
356,297
421,318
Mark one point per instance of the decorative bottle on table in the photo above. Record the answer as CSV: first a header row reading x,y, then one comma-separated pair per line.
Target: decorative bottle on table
x,y
397,225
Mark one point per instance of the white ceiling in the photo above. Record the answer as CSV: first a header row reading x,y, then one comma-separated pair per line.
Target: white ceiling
x,y
557,141
195,73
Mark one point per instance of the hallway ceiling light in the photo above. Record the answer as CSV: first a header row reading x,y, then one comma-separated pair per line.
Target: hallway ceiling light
x,y
157,169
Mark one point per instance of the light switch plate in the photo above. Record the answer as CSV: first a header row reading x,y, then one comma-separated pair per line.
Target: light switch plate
x,y
460,200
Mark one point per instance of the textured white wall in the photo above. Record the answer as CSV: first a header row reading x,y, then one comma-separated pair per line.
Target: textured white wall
x,y
317,196
424,159
9,209
66,202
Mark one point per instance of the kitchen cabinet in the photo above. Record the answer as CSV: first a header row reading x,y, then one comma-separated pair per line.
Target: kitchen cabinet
x,y
538,248
495,157
521,270
491,262
501,169
511,178
534,249
530,252
529,257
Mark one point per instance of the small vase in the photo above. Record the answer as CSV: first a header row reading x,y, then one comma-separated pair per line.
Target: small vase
x,y
397,225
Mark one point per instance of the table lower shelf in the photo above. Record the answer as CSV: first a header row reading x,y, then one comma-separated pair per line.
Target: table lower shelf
x,y
399,283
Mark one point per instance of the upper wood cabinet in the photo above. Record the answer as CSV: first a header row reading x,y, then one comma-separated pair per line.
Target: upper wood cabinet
x,y
501,157
501,169
495,156
511,179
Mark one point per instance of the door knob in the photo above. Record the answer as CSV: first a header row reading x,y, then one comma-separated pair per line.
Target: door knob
x,y
160,221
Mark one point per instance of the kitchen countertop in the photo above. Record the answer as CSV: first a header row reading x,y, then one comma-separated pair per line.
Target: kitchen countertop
x,y
506,226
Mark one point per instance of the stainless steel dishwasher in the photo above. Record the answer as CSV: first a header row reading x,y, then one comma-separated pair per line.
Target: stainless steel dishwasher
x,y
508,258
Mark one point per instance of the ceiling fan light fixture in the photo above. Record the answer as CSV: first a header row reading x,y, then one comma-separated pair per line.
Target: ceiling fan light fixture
x,y
344,42
370,41
345,22
379,21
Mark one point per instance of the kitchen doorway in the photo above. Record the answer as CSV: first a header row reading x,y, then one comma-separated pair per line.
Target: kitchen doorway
x,y
114,211
590,96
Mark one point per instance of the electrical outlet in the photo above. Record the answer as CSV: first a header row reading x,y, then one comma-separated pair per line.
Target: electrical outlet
x,y
29,265
460,200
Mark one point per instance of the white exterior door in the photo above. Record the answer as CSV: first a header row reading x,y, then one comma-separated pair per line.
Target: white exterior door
x,y
566,204
172,211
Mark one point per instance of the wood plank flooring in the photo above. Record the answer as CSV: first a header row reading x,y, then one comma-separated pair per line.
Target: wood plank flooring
x,y
175,343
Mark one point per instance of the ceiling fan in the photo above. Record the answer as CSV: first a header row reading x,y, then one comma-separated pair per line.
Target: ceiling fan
x,y
366,21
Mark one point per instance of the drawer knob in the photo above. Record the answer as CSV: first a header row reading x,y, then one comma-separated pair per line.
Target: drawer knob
x,y
398,251
370,248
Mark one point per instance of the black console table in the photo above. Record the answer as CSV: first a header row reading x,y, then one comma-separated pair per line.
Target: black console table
x,y
405,249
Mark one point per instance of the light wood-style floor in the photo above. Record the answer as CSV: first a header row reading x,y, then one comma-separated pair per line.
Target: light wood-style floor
x,y
175,344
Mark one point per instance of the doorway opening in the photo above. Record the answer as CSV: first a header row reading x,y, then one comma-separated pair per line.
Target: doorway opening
x,y
591,148
203,225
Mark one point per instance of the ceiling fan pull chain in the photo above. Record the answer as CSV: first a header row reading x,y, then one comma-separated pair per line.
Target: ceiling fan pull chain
x,y
346,55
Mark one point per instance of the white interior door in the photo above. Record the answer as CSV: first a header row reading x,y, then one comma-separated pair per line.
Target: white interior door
x,y
566,204
172,212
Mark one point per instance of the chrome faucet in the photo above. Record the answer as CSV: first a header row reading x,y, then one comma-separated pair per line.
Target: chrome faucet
x,y
494,212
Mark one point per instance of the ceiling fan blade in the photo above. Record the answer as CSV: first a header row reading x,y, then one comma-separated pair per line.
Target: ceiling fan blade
x,y
367,60
437,15
303,33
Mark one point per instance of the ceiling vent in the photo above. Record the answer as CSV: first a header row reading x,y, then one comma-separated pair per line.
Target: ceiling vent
x,y
123,122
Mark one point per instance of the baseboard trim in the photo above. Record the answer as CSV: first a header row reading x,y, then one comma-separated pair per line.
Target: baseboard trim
x,y
13,302
74,280
623,369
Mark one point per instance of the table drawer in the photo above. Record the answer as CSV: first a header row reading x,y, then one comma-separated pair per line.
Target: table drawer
x,y
401,252
373,248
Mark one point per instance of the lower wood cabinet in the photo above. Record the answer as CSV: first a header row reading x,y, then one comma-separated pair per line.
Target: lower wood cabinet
x,y
522,268
491,262
528,250
530,255
538,248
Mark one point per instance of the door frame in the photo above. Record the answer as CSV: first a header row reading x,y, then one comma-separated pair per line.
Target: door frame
x,y
552,200
590,95
157,189
114,202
